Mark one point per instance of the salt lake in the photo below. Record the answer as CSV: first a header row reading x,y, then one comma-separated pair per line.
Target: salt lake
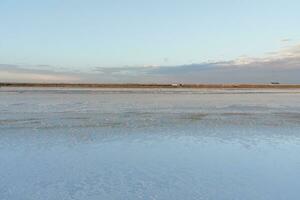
x,y
149,144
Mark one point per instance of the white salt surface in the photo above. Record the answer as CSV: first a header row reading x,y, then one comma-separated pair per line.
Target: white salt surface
x,y
149,144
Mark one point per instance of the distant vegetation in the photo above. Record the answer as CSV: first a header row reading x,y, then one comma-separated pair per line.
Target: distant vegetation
x,y
135,85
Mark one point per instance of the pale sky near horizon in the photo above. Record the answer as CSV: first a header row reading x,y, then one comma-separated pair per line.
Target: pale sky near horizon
x,y
82,34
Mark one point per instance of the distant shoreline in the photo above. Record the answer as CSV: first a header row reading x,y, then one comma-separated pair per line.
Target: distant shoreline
x,y
136,85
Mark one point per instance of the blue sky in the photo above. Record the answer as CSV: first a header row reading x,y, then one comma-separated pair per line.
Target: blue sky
x,y
83,35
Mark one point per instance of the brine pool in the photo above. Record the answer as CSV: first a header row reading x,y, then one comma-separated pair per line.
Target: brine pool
x,y
149,144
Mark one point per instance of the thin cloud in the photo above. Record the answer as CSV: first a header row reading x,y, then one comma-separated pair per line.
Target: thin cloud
x,y
35,77
286,40
16,73
287,58
282,66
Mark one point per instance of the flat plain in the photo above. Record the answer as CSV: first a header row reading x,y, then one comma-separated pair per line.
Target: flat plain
x,y
159,143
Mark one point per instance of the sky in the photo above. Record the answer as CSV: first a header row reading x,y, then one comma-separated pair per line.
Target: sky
x,y
149,41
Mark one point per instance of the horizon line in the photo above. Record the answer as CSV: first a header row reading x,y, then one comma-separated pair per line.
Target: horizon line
x,y
274,85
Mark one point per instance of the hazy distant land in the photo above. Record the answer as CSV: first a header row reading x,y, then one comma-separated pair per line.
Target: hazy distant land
x,y
137,85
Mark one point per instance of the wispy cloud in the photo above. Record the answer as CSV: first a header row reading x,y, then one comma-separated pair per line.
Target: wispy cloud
x,y
35,77
285,59
16,73
285,40
282,66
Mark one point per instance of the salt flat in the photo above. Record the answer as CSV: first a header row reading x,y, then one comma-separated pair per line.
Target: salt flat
x,y
149,143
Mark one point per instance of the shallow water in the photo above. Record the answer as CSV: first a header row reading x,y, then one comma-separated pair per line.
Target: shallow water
x,y
149,144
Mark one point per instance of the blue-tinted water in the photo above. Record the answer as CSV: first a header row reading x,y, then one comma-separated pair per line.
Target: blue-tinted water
x,y
149,144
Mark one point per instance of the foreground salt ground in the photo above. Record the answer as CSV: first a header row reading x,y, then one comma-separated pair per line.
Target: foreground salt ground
x,y
149,144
